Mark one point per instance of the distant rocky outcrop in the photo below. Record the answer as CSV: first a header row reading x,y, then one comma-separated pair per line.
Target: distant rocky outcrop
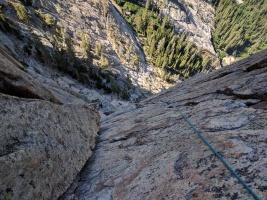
x,y
44,143
152,153
14,81
194,17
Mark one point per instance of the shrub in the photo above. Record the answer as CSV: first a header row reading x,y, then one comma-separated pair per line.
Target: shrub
x,y
98,49
48,19
5,25
115,89
21,11
41,52
104,62
125,94
133,8
120,2
191,5
85,44
95,101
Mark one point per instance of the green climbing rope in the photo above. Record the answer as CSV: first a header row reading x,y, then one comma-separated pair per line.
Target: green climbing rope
x,y
256,197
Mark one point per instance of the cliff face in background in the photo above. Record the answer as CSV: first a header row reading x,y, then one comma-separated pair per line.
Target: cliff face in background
x,y
92,42
196,18
126,48
44,143
88,40
150,152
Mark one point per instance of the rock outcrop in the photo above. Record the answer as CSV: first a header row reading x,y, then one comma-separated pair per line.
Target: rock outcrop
x,y
44,144
114,46
112,34
152,153
14,81
195,17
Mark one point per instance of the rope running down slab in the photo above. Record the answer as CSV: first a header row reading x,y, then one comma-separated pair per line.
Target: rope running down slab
x,y
256,197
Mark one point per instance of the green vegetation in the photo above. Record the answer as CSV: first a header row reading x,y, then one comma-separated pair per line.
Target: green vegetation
x,y
240,28
173,54
21,11
62,56
64,59
85,43
104,63
47,19
41,52
86,47
191,5
98,49
5,25
125,94
95,101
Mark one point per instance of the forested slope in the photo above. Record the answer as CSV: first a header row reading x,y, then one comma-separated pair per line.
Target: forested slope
x,y
172,54
240,27
160,44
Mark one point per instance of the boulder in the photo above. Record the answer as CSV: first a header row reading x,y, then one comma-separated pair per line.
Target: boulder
x,y
43,146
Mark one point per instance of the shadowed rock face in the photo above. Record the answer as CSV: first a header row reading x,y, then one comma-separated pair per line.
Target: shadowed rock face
x,y
15,82
152,153
43,144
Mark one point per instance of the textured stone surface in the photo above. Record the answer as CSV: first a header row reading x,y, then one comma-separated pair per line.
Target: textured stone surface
x,y
43,146
194,17
14,81
151,153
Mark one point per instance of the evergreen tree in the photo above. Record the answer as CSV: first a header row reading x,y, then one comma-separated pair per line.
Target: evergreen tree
x,y
174,54
240,28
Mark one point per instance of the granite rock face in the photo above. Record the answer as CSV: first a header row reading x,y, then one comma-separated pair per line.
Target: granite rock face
x,y
152,153
194,17
14,81
43,144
